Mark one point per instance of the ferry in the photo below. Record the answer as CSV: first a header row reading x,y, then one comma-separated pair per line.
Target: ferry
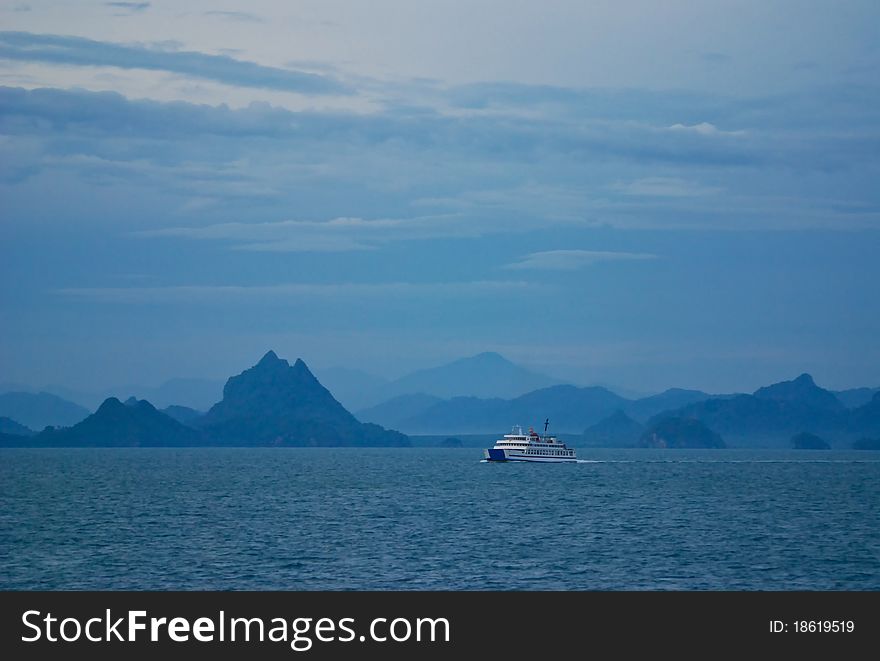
x,y
517,446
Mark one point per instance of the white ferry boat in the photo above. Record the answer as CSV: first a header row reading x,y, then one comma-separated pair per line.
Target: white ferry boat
x,y
517,446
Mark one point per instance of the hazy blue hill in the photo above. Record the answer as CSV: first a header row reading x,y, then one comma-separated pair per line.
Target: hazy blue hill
x,y
676,432
866,419
808,441
802,392
867,444
196,393
354,389
618,430
115,424
741,414
569,408
67,394
274,403
486,375
855,397
773,412
674,398
86,398
15,441
10,426
461,415
38,410
199,394
396,411
183,414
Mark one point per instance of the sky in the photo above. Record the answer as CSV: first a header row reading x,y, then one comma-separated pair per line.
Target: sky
x,y
638,194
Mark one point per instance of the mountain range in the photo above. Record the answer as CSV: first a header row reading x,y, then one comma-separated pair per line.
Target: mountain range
x,y
275,403
39,410
353,388
617,430
767,417
485,375
194,393
10,426
114,424
855,397
774,413
272,403
569,408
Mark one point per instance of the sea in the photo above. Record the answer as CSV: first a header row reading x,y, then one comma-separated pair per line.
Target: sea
x,y
437,519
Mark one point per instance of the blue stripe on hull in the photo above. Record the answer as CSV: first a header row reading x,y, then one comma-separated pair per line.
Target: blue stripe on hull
x,y
496,455
499,455
547,460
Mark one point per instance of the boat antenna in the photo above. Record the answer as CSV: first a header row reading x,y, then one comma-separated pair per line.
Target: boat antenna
x,y
546,424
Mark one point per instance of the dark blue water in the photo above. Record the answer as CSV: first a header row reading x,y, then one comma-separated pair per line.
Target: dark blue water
x,y
314,519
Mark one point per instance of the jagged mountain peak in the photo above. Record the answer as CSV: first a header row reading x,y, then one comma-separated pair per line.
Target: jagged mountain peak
x,y
802,390
274,402
271,359
110,404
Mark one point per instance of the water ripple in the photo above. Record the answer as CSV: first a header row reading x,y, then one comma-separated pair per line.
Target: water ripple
x,y
343,519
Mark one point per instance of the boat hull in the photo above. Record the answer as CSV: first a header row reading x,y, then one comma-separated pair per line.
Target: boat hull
x,y
495,454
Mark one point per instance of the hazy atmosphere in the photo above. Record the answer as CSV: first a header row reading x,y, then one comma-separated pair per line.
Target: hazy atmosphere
x,y
637,194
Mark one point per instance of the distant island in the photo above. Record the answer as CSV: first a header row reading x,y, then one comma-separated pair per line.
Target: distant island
x,y
274,403
114,424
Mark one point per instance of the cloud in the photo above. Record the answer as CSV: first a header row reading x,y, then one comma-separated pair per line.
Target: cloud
x,y
412,176
572,260
703,128
239,16
335,235
222,294
665,187
649,108
65,50
129,6
509,140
